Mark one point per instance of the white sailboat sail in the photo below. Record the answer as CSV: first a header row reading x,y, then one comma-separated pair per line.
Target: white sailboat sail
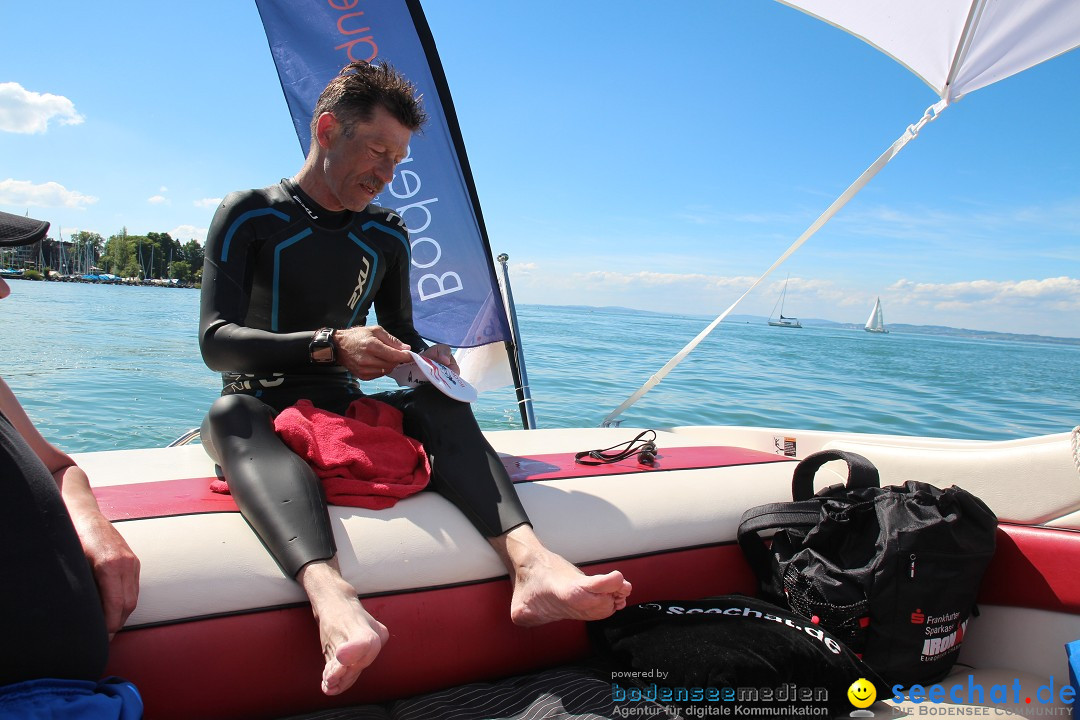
x,y
876,322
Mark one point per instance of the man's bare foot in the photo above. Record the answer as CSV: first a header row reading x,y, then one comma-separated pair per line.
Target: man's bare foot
x,y
351,638
547,587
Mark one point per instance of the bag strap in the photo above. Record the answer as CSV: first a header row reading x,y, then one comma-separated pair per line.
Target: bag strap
x,y
773,516
861,472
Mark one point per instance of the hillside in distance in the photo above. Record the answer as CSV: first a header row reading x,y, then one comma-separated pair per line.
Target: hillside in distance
x,y
941,330
899,328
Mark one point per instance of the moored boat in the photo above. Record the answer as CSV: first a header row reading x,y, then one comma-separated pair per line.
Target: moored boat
x,y
781,320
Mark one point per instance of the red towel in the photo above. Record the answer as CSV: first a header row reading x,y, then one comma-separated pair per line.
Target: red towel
x,y
362,457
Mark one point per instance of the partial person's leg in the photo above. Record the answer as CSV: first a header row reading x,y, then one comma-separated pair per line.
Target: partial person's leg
x,y
467,471
282,499
277,492
51,621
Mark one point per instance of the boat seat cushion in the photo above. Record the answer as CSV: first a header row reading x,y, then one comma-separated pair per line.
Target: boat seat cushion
x,y
1047,465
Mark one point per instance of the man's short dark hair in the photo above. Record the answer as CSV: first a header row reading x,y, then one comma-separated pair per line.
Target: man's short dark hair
x,y
360,87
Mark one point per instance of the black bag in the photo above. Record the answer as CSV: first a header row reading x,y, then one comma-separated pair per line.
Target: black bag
x,y
729,650
893,572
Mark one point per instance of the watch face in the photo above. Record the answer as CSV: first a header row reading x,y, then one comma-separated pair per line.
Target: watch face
x,y
322,347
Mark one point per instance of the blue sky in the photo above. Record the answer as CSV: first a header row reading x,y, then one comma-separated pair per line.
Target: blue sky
x,y
625,153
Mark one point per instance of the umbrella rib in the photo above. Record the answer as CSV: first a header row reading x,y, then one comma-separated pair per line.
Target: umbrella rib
x,y
963,46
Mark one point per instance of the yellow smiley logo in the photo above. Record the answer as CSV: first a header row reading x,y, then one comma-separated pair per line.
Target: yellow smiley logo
x,y
862,693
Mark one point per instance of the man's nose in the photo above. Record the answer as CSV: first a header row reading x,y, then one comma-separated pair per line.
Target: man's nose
x,y
385,171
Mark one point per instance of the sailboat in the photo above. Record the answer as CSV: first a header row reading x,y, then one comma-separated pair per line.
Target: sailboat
x,y
784,321
875,323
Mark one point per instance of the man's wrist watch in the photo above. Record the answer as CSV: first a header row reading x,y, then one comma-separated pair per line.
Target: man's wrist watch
x,y
321,348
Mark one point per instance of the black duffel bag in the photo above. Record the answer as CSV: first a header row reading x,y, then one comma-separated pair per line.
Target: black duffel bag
x,y
892,572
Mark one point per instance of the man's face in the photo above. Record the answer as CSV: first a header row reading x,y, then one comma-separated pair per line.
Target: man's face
x,y
357,166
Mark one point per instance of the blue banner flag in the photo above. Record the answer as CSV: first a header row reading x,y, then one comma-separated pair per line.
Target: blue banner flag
x,y
454,289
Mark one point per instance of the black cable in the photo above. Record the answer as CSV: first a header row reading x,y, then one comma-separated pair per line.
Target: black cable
x,y
644,449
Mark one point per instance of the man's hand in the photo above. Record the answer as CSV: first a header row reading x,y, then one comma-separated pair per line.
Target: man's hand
x,y
443,355
369,352
115,567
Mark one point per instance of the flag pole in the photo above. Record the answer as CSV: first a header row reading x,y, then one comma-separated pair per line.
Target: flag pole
x,y
516,353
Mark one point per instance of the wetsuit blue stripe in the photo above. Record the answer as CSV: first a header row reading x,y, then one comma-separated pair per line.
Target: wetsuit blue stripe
x,y
243,219
393,233
371,274
277,274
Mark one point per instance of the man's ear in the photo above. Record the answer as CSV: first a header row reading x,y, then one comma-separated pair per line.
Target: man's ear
x,y
327,128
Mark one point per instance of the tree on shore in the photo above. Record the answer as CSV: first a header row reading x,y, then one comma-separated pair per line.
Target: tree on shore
x,y
120,255
154,255
180,270
193,256
86,249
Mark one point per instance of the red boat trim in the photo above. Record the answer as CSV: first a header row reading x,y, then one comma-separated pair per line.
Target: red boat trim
x,y
192,496
615,562
1034,567
268,664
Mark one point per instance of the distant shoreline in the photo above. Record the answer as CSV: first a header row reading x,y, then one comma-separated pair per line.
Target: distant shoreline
x,y
898,328
161,282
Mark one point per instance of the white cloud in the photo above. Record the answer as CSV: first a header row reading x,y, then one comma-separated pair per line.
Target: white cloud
x,y
1059,289
50,194
157,200
23,111
656,279
1029,306
207,202
1025,306
183,233
523,269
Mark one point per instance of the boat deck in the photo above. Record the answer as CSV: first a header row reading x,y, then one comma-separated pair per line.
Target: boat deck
x,y
213,597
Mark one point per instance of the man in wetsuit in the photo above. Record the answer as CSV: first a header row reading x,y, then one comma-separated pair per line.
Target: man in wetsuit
x,y
70,580
290,274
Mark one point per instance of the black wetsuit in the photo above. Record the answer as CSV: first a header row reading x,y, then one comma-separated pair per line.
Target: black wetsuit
x,y
51,621
279,267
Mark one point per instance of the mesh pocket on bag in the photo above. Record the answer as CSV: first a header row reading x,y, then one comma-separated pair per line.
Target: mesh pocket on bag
x,y
846,622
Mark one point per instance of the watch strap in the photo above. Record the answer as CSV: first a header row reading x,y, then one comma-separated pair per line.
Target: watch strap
x,y
321,348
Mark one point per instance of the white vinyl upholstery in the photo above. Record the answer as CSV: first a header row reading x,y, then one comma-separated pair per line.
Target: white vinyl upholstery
x,y
423,541
1032,482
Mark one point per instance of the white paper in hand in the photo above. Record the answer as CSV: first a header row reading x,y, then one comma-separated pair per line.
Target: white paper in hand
x,y
423,370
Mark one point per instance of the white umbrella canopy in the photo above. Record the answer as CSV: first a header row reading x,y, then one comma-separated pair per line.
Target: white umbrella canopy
x,y
957,46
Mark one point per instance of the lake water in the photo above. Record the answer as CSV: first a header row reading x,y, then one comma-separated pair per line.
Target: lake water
x,y
112,367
